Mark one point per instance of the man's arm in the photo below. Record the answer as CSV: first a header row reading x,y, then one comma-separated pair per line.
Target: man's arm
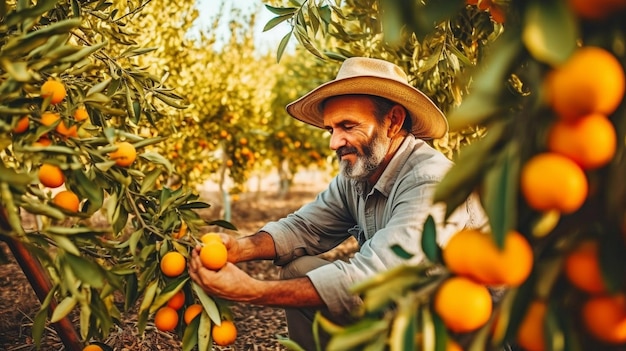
x,y
233,284
259,246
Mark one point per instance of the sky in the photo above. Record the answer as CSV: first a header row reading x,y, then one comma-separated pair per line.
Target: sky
x,y
266,40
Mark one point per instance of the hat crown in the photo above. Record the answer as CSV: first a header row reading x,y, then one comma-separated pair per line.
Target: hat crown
x,y
369,67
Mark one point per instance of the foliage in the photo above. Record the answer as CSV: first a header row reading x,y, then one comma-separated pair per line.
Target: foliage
x,y
507,100
126,221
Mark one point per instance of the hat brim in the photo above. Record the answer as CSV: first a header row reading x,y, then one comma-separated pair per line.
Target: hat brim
x,y
428,120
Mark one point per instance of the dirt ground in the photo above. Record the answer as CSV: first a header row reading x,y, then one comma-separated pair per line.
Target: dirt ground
x,y
258,327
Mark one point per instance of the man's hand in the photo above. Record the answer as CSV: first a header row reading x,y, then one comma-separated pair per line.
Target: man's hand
x,y
226,283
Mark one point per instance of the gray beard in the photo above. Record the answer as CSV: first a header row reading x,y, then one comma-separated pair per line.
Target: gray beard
x,y
368,162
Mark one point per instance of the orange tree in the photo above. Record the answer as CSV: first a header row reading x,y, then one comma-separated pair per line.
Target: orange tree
x,y
549,170
73,98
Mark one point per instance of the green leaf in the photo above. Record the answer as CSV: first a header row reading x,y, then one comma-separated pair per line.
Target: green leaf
x,y
401,252
277,20
461,180
204,332
190,335
155,157
289,344
550,31
87,271
63,308
148,296
168,292
358,334
282,45
281,10
207,302
500,192
483,102
403,327
429,241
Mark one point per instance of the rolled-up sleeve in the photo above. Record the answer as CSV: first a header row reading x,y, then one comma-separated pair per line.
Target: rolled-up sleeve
x,y
315,228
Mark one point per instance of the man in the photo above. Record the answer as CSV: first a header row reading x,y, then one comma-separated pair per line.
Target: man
x,y
382,197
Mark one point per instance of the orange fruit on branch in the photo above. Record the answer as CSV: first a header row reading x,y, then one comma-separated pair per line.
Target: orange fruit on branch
x,y
476,255
582,268
92,347
191,312
210,237
173,264
224,334
53,89
462,304
604,316
530,335
166,319
590,81
214,255
22,125
181,231
51,175
50,118
177,301
550,181
125,154
67,199
590,140
80,114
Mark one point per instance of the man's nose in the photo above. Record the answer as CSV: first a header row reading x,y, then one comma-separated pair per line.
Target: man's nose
x,y
337,140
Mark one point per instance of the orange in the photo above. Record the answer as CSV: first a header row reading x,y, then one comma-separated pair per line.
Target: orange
x,y
67,199
192,311
590,81
173,264
177,301
53,89
597,9
213,255
43,141
462,304
80,114
530,334
550,181
210,237
50,118
51,175
181,231
474,254
22,125
452,345
166,319
582,268
92,348
590,140
605,318
224,334
125,154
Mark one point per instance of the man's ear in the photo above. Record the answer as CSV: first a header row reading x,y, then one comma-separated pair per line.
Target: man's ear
x,y
397,114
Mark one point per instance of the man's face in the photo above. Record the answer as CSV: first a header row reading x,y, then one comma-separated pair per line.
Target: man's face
x,y
361,143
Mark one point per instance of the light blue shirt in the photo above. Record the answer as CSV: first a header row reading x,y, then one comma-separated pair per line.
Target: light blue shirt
x,y
392,212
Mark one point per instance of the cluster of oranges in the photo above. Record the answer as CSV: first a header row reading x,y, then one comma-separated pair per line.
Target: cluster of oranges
x,y
463,301
214,256
50,173
603,314
582,138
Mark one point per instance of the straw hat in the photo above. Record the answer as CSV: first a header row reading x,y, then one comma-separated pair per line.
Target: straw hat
x,y
360,75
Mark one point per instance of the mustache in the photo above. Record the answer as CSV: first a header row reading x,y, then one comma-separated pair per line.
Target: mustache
x,y
344,150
